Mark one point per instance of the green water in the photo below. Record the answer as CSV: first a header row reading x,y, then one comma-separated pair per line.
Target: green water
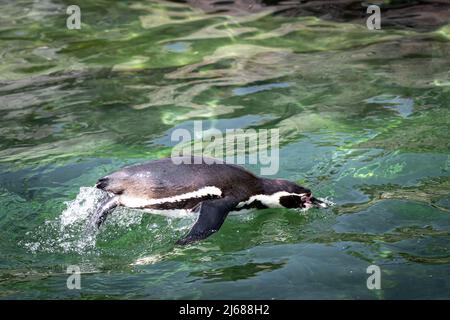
x,y
363,117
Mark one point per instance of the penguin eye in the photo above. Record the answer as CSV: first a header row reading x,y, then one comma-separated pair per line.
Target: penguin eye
x,y
291,201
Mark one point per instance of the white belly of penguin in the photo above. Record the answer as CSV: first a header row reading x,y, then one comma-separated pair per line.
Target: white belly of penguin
x,y
172,213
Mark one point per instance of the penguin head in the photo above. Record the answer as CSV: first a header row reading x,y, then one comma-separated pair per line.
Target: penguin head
x,y
299,196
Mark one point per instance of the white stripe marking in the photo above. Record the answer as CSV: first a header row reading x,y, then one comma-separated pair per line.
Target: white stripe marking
x,y
271,201
135,202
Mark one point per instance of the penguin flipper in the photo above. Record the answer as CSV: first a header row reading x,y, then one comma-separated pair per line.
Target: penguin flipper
x,y
102,212
211,217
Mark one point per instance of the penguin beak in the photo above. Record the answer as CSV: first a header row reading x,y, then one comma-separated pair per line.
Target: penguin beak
x,y
309,201
317,203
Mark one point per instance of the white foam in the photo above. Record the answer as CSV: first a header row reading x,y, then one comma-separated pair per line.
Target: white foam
x,y
82,206
326,202
148,260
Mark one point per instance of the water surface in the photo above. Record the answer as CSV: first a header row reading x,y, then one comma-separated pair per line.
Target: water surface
x,y
363,117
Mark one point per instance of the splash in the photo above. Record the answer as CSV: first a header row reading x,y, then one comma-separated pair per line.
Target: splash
x,y
69,233
82,207
327,202
66,232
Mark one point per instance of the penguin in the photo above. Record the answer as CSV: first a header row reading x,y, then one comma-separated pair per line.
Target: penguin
x,y
207,186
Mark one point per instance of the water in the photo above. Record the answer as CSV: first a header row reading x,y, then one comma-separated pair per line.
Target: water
x,y
363,118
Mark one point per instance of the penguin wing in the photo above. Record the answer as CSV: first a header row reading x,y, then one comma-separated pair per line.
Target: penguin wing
x,y
212,215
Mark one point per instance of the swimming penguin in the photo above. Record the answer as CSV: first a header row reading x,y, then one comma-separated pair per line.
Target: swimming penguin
x,y
211,190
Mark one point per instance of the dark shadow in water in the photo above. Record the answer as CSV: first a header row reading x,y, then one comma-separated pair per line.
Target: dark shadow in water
x,y
419,15
432,191
238,272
